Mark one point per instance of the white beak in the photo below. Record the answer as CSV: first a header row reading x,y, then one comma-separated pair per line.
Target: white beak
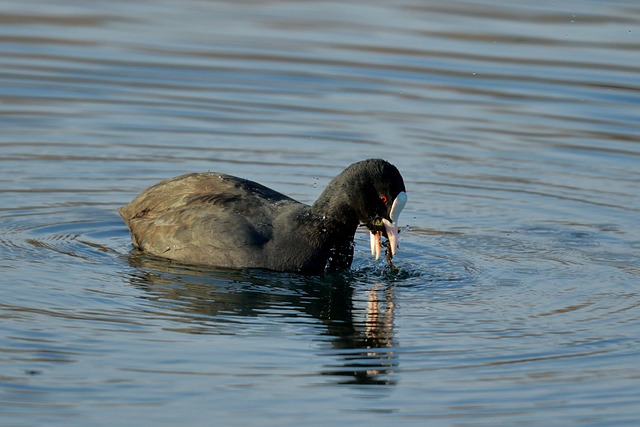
x,y
391,227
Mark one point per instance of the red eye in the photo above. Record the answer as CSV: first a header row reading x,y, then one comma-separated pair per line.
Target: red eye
x,y
384,199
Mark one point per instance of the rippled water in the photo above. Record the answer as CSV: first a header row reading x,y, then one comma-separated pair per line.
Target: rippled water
x,y
517,130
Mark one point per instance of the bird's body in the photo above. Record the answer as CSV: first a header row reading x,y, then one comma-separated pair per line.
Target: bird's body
x,y
220,220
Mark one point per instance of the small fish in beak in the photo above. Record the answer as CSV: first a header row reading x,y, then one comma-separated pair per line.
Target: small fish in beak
x,y
390,227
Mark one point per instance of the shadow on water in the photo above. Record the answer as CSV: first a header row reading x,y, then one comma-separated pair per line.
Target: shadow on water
x,y
354,311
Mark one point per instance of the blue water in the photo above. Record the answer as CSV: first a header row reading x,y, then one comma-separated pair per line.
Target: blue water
x,y
516,128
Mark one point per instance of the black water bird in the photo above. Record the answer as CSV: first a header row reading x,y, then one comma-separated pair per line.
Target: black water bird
x,y
218,220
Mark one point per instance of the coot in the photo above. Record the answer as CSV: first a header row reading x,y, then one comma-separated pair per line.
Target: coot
x,y
219,220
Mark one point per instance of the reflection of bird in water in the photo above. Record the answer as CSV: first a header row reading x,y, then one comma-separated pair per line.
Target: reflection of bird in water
x,y
360,331
368,354
379,321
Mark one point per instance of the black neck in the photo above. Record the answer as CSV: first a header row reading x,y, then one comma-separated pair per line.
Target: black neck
x,y
336,202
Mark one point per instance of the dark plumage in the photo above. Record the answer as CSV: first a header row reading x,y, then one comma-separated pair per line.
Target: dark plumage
x,y
219,220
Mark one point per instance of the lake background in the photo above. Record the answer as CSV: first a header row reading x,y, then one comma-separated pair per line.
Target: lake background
x,y
516,127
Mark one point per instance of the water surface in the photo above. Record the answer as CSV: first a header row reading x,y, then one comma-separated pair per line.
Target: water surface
x,y
515,126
